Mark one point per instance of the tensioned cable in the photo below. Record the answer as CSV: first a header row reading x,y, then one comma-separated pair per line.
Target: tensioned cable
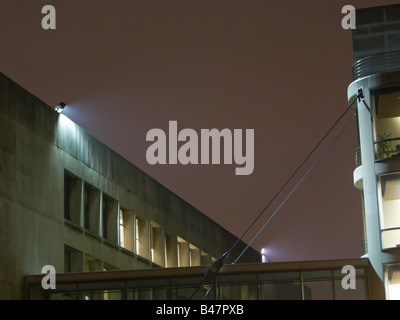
x,y
291,177
294,189
214,268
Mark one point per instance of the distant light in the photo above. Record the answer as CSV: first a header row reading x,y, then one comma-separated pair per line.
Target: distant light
x,y
264,258
60,107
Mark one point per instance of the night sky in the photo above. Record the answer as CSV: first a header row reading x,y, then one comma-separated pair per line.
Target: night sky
x,y
279,67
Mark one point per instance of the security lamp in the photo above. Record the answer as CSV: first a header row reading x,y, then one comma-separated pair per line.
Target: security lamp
x,y
60,107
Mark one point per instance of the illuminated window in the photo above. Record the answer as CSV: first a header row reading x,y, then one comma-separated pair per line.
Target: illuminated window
x,y
137,243
390,210
387,122
73,260
121,228
393,282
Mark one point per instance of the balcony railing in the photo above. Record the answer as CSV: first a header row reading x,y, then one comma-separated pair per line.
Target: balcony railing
x,y
380,63
358,157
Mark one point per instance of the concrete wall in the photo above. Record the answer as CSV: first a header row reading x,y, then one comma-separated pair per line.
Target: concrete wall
x,y
37,147
377,30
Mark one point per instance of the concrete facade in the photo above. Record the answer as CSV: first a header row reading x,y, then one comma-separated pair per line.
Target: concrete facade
x,y
69,201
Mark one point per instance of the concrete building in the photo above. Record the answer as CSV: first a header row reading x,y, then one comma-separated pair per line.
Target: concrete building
x,y
376,86
69,201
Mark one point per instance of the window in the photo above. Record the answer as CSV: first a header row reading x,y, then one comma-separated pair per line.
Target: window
x,y
390,210
142,240
137,243
387,122
110,216
73,260
72,198
318,285
392,275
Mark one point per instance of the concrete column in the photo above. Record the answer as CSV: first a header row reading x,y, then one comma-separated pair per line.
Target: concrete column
x,y
184,254
370,183
128,229
172,251
113,221
94,211
76,201
158,246
195,257
143,236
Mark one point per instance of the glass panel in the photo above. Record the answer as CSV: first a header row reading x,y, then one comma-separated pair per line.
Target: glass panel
x,y
105,285
101,295
63,296
350,294
318,290
238,292
390,209
387,122
195,293
281,291
392,274
391,238
140,294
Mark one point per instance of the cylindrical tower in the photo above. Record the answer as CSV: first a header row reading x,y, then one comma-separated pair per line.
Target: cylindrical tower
x,y
376,86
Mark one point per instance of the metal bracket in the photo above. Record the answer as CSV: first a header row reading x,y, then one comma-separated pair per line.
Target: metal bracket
x,y
360,94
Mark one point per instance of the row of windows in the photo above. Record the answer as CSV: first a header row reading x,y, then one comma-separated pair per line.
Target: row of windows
x,y
102,216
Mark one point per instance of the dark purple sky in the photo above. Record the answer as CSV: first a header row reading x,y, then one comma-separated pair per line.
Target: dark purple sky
x,y
279,67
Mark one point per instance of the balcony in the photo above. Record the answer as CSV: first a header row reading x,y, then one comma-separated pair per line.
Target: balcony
x,y
380,63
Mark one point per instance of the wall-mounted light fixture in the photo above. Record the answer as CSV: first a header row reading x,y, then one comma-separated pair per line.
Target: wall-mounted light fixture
x,y
60,107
